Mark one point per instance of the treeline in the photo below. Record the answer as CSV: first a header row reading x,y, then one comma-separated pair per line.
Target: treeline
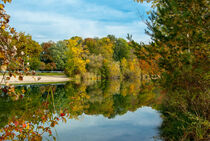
x,y
108,57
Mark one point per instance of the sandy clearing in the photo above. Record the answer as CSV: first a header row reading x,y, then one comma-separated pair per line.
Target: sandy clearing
x,y
34,79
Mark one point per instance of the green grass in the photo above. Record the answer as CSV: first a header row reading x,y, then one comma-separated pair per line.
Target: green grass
x,y
50,73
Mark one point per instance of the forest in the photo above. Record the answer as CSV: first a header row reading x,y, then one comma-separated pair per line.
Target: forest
x,y
107,57
176,59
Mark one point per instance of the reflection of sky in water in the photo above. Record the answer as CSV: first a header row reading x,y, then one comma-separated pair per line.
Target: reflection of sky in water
x,y
141,125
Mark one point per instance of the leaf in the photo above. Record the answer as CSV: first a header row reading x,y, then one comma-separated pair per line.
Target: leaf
x,y
24,125
50,132
28,126
16,123
62,114
1,6
12,30
14,75
3,67
20,78
23,91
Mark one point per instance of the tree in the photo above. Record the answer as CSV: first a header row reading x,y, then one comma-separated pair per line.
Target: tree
x,y
57,52
180,34
92,45
9,60
180,38
76,54
27,45
105,47
121,49
29,48
95,63
130,69
45,55
148,60
35,63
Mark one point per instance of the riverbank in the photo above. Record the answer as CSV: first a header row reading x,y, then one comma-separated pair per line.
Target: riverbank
x,y
39,79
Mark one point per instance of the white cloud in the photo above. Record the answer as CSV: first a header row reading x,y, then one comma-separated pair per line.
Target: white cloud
x,y
52,26
57,20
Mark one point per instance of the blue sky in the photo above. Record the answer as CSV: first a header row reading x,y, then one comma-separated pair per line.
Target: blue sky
x,y
61,19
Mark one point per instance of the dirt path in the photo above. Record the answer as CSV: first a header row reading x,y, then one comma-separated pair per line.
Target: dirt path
x,y
39,79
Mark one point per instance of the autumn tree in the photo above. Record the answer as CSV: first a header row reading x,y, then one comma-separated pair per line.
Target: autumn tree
x,y
30,49
92,45
106,48
10,61
76,53
103,46
95,63
130,69
46,56
180,36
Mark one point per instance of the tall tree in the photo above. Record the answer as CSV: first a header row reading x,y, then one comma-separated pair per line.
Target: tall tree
x,y
46,57
76,53
58,54
121,49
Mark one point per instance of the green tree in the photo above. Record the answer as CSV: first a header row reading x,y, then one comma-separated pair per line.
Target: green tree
x,y
57,52
35,63
121,49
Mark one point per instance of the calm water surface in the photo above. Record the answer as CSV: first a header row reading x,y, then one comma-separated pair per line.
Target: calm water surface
x,y
133,126
105,111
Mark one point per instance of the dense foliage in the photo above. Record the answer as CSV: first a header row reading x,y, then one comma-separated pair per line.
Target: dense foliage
x,y
107,58
180,48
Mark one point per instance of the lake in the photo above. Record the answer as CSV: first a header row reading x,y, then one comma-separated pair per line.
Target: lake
x,y
87,111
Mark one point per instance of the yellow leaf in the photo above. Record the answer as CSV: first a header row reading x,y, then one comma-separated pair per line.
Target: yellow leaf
x,y
1,6
3,67
27,126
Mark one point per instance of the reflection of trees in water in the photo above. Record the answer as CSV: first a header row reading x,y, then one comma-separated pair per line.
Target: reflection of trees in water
x,y
25,118
49,104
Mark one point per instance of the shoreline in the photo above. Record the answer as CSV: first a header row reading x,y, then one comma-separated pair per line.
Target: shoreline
x,y
38,79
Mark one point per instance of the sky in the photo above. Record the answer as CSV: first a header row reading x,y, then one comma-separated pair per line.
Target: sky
x,y
62,19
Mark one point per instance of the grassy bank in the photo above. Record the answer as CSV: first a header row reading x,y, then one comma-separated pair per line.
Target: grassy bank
x,y
49,74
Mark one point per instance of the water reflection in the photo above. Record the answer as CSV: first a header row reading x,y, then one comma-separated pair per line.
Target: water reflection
x,y
86,111
133,126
